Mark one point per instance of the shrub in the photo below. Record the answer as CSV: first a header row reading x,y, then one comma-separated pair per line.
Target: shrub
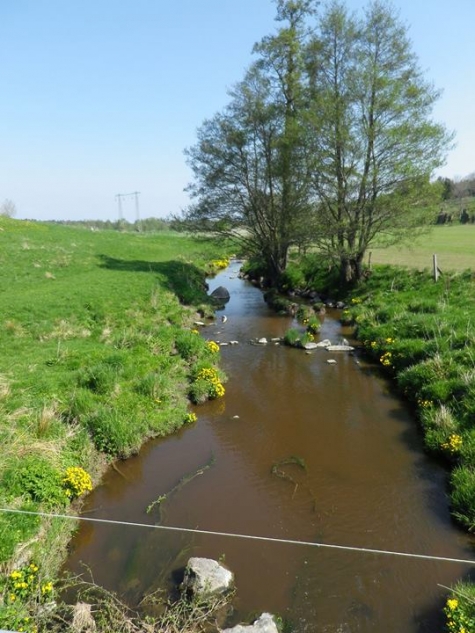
x,y
206,385
293,278
35,478
76,482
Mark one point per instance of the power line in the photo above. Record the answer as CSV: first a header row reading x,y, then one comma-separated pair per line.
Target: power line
x,y
268,539
120,196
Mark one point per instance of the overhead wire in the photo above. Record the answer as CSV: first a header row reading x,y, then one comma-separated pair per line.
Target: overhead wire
x,y
268,539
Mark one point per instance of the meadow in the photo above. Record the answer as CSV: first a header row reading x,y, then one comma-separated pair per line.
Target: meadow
x,y
454,245
99,353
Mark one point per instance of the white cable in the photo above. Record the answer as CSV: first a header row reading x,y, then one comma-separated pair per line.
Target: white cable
x,y
269,539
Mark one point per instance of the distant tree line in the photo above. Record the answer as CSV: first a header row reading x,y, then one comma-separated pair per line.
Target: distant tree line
x,y
147,225
458,200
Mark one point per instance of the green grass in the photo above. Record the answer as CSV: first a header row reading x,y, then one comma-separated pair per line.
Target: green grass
x,y
97,356
423,334
453,244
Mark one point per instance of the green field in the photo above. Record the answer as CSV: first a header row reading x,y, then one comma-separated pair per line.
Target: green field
x,y
454,246
99,353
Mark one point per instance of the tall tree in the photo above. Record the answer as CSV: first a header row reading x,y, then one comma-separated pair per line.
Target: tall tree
x,y
250,163
374,143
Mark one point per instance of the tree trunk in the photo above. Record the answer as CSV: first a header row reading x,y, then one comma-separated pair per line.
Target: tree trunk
x,y
351,270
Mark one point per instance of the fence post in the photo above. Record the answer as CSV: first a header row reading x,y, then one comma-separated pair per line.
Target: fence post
x,y
435,267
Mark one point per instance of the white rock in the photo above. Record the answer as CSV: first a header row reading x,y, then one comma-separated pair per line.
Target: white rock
x,y
340,348
262,341
325,343
205,576
331,361
265,624
234,342
310,345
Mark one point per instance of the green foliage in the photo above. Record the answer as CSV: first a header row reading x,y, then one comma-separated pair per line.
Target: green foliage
x,y
304,313
34,478
293,278
313,325
460,609
16,529
462,496
113,432
190,345
100,378
429,349
93,319
24,590
207,383
277,302
76,482
292,337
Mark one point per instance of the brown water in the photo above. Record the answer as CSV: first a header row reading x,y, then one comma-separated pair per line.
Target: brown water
x,y
367,483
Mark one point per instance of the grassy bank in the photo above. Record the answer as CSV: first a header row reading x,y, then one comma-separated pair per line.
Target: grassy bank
x,y
423,335
98,354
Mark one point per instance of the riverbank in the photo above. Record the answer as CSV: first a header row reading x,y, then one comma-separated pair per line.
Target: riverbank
x,y
421,332
97,357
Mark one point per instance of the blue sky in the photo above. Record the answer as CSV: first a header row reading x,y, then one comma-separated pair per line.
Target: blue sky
x,y
99,97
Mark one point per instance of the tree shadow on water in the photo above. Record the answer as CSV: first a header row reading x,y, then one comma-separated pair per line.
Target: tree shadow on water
x,y
185,280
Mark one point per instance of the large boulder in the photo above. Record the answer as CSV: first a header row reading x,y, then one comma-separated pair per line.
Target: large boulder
x,y
221,293
205,576
265,624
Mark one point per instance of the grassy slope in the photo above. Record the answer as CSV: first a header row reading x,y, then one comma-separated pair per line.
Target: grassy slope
x,y
88,328
453,244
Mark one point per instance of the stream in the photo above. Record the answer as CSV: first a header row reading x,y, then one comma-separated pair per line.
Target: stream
x,y
297,449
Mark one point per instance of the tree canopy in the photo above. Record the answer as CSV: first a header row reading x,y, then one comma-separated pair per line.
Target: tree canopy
x,y
327,140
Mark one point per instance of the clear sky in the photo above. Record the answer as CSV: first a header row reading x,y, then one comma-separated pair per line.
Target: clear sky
x,y
100,97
